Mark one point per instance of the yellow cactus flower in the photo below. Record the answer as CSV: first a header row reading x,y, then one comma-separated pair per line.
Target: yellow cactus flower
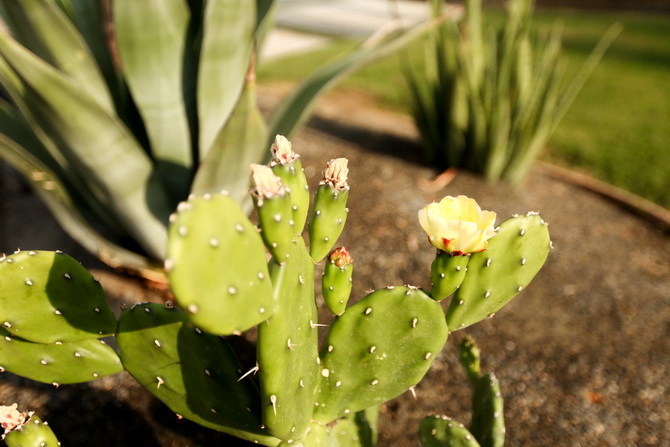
x,y
457,225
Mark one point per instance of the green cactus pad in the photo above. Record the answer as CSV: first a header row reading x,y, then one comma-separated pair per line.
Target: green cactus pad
x,y
34,433
194,373
293,177
275,219
447,273
377,349
498,274
327,221
57,363
441,431
288,348
336,286
216,266
358,429
488,423
468,355
47,297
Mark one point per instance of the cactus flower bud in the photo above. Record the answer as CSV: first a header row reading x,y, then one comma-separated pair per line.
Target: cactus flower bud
x,y
10,417
266,183
281,151
336,174
457,225
340,257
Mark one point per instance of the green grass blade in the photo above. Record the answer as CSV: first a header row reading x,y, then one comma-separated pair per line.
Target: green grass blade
x,y
114,166
229,27
150,35
295,109
62,45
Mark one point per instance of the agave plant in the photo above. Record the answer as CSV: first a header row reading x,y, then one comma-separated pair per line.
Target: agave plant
x,y
489,99
117,110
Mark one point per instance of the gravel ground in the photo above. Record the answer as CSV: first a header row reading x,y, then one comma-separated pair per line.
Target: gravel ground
x,y
582,354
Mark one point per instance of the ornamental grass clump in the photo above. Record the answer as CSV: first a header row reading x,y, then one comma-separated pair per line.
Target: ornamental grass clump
x,y
115,111
229,275
490,98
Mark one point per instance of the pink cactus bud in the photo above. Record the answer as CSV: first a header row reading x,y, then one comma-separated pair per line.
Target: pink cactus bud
x,y
340,257
10,417
282,153
336,174
457,225
267,185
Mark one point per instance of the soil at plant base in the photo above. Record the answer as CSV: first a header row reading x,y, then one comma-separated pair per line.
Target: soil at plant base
x,y
582,354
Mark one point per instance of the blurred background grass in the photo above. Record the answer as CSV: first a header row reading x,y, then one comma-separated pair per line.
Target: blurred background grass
x,y
618,128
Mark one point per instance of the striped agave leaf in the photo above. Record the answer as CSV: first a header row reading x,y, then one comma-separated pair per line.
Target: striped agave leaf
x,y
126,107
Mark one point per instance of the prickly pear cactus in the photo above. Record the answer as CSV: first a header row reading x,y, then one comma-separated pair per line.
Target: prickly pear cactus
x,y
336,283
379,348
288,348
447,273
228,276
48,297
57,363
216,265
196,374
442,431
498,274
33,432
330,209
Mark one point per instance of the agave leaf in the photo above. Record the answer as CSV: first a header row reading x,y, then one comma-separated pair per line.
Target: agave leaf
x,y
60,44
67,211
150,35
110,160
229,27
295,109
240,143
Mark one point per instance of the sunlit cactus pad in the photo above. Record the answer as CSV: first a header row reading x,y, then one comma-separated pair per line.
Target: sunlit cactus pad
x,y
216,265
57,363
49,297
377,349
498,274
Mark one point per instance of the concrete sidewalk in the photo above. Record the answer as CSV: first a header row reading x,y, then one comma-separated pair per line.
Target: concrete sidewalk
x,y
302,25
